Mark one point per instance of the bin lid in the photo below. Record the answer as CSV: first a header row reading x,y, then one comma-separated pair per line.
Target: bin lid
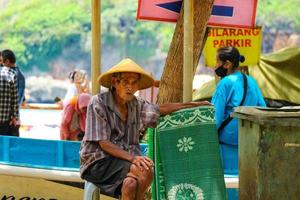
x,y
285,116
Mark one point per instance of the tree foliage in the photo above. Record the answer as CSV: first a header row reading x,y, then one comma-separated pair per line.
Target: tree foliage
x,y
279,15
138,39
39,30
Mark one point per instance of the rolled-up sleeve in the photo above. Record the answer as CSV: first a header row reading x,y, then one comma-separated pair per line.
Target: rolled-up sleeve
x,y
97,126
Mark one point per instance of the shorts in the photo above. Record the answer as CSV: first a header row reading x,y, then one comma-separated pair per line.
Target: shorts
x,y
108,174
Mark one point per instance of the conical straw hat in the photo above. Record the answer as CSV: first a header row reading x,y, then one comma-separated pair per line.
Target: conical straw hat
x,y
127,65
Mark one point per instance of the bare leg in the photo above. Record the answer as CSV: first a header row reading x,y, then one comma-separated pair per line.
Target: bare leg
x,y
144,179
129,188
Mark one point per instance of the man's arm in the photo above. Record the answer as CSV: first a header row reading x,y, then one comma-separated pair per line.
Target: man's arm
x,y
115,151
142,162
21,86
165,109
14,103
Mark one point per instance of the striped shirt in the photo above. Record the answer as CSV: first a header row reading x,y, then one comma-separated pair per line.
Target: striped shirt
x,y
9,107
104,123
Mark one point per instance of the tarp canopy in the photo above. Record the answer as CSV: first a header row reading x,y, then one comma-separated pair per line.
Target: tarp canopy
x,y
277,74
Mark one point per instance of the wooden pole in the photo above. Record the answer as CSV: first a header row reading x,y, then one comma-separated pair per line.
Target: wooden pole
x,y
96,44
188,37
171,84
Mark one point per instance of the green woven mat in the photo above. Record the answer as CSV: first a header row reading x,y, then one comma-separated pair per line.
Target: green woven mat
x,y
185,149
158,187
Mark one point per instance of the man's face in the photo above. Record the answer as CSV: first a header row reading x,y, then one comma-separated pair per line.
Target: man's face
x,y
7,63
126,85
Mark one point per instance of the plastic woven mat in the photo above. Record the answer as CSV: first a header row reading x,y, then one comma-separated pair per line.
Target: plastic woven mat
x,y
187,159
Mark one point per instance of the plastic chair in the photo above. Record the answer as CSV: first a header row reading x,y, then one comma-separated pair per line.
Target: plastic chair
x,y
91,191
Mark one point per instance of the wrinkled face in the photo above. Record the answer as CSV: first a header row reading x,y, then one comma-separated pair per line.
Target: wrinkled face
x,y
126,85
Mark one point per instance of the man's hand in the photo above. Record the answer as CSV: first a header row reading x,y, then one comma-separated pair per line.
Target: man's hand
x,y
143,162
13,122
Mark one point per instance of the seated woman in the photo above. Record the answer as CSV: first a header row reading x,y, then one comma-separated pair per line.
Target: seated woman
x,y
73,120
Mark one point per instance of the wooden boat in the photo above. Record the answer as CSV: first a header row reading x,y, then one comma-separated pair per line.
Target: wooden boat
x,y
40,169
46,169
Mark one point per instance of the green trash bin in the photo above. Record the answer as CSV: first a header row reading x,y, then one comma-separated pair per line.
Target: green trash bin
x,y
269,153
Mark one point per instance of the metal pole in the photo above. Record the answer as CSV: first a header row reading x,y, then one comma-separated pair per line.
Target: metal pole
x,y
188,37
96,44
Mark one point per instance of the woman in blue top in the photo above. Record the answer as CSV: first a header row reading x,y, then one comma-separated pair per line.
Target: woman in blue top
x,y
228,95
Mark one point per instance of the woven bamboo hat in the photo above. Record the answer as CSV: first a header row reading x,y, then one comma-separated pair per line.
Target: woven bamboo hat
x,y
127,65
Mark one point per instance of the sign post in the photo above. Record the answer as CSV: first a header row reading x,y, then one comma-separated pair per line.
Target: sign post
x,y
96,44
188,38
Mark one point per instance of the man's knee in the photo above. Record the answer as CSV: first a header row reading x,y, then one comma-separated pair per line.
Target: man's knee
x,y
147,176
145,179
129,185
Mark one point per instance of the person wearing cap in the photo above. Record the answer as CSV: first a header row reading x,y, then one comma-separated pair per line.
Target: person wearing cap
x,y
229,94
110,154
74,117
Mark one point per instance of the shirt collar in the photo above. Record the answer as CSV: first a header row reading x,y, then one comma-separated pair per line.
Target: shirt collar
x,y
108,101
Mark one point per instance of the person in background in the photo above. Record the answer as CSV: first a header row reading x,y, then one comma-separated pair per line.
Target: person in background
x,y
20,77
9,107
79,84
110,154
74,116
234,89
1,60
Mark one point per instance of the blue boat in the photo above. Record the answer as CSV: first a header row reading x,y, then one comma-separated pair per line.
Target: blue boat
x,y
52,166
49,168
